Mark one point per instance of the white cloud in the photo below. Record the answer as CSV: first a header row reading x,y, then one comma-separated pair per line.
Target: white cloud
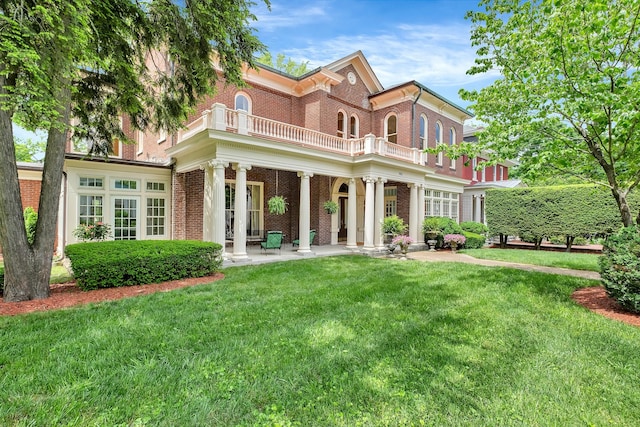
x,y
284,16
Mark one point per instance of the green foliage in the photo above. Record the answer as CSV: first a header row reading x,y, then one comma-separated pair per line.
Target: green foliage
x,y
134,262
30,223
571,75
277,205
29,151
92,232
330,207
393,225
284,64
620,267
536,212
474,240
474,227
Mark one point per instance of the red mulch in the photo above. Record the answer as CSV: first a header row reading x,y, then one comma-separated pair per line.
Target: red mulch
x,y
68,295
597,300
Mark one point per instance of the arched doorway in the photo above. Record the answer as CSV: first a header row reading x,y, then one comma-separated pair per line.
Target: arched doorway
x,y
340,221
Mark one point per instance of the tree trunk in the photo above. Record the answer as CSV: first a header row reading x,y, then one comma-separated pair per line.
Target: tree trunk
x,y
569,242
28,267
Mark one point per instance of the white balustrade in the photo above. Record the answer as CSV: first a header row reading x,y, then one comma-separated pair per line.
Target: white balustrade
x,y
222,118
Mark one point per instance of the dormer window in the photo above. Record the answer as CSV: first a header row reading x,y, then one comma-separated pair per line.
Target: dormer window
x,y
391,128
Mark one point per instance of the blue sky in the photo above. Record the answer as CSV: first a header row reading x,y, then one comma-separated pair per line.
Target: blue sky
x,y
403,40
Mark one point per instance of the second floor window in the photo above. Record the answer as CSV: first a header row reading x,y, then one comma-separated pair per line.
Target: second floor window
x,y
353,127
439,141
391,129
423,132
341,125
242,103
452,140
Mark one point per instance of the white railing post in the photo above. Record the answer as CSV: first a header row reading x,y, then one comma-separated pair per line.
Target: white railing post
x,y
243,129
219,116
369,142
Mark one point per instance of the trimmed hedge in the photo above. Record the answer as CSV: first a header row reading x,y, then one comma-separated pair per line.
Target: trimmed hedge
x,y
137,262
474,227
620,267
474,240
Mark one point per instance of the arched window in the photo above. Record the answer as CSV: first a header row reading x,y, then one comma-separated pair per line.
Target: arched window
x,y
341,125
391,128
423,132
243,102
452,140
353,127
439,141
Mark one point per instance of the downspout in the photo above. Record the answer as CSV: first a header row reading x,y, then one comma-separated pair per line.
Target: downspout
x,y
413,118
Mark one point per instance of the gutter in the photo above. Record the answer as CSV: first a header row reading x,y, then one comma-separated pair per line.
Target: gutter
x,y
413,118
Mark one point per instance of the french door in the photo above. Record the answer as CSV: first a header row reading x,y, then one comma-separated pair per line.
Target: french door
x,y
125,218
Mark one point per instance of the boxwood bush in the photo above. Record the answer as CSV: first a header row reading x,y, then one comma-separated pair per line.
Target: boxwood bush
x,y
620,267
474,240
474,227
136,262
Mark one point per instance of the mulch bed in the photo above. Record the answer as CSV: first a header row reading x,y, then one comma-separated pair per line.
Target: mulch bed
x,y
597,300
69,295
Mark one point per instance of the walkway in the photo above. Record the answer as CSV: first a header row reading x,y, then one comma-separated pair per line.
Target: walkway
x,y
288,253
446,256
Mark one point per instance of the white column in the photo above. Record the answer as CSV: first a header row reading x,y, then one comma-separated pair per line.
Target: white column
x,y
207,204
369,219
305,213
413,212
352,218
240,213
420,213
218,204
379,213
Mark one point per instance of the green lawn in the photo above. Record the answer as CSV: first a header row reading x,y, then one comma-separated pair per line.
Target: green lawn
x,y
341,341
571,260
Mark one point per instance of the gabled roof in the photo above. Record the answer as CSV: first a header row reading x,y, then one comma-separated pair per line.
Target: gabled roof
x,y
360,63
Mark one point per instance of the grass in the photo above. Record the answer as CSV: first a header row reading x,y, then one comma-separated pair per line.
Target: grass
x,y
341,341
575,261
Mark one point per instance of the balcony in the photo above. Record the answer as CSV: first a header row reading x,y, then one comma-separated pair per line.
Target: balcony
x,y
240,122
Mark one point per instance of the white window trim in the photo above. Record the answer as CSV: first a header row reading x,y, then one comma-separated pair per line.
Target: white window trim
x,y
438,140
342,133
424,138
386,127
247,97
356,134
452,141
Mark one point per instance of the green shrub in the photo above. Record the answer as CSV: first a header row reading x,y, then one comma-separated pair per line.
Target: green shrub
x,y
474,240
30,223
135,262
442,225
620,268
474,227
393,225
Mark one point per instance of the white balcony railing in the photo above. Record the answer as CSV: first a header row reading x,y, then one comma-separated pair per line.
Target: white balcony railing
x,y
222,118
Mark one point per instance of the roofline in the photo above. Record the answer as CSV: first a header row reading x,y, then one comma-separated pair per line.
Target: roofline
x,y
88,158
429,91
28,166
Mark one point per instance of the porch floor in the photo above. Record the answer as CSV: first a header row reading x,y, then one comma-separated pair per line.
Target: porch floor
x,y
255,255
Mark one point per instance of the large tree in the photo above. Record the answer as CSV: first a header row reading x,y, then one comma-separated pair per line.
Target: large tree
x,y
568,99
76,67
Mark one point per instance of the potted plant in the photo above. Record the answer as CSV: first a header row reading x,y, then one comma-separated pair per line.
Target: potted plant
x,y
277,205
454,240
393,225
403,241
330,207
431,228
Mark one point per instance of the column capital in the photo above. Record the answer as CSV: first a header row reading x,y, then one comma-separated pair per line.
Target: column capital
x,y
369,179
218,164
243,166
381,180
412,185
302,174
